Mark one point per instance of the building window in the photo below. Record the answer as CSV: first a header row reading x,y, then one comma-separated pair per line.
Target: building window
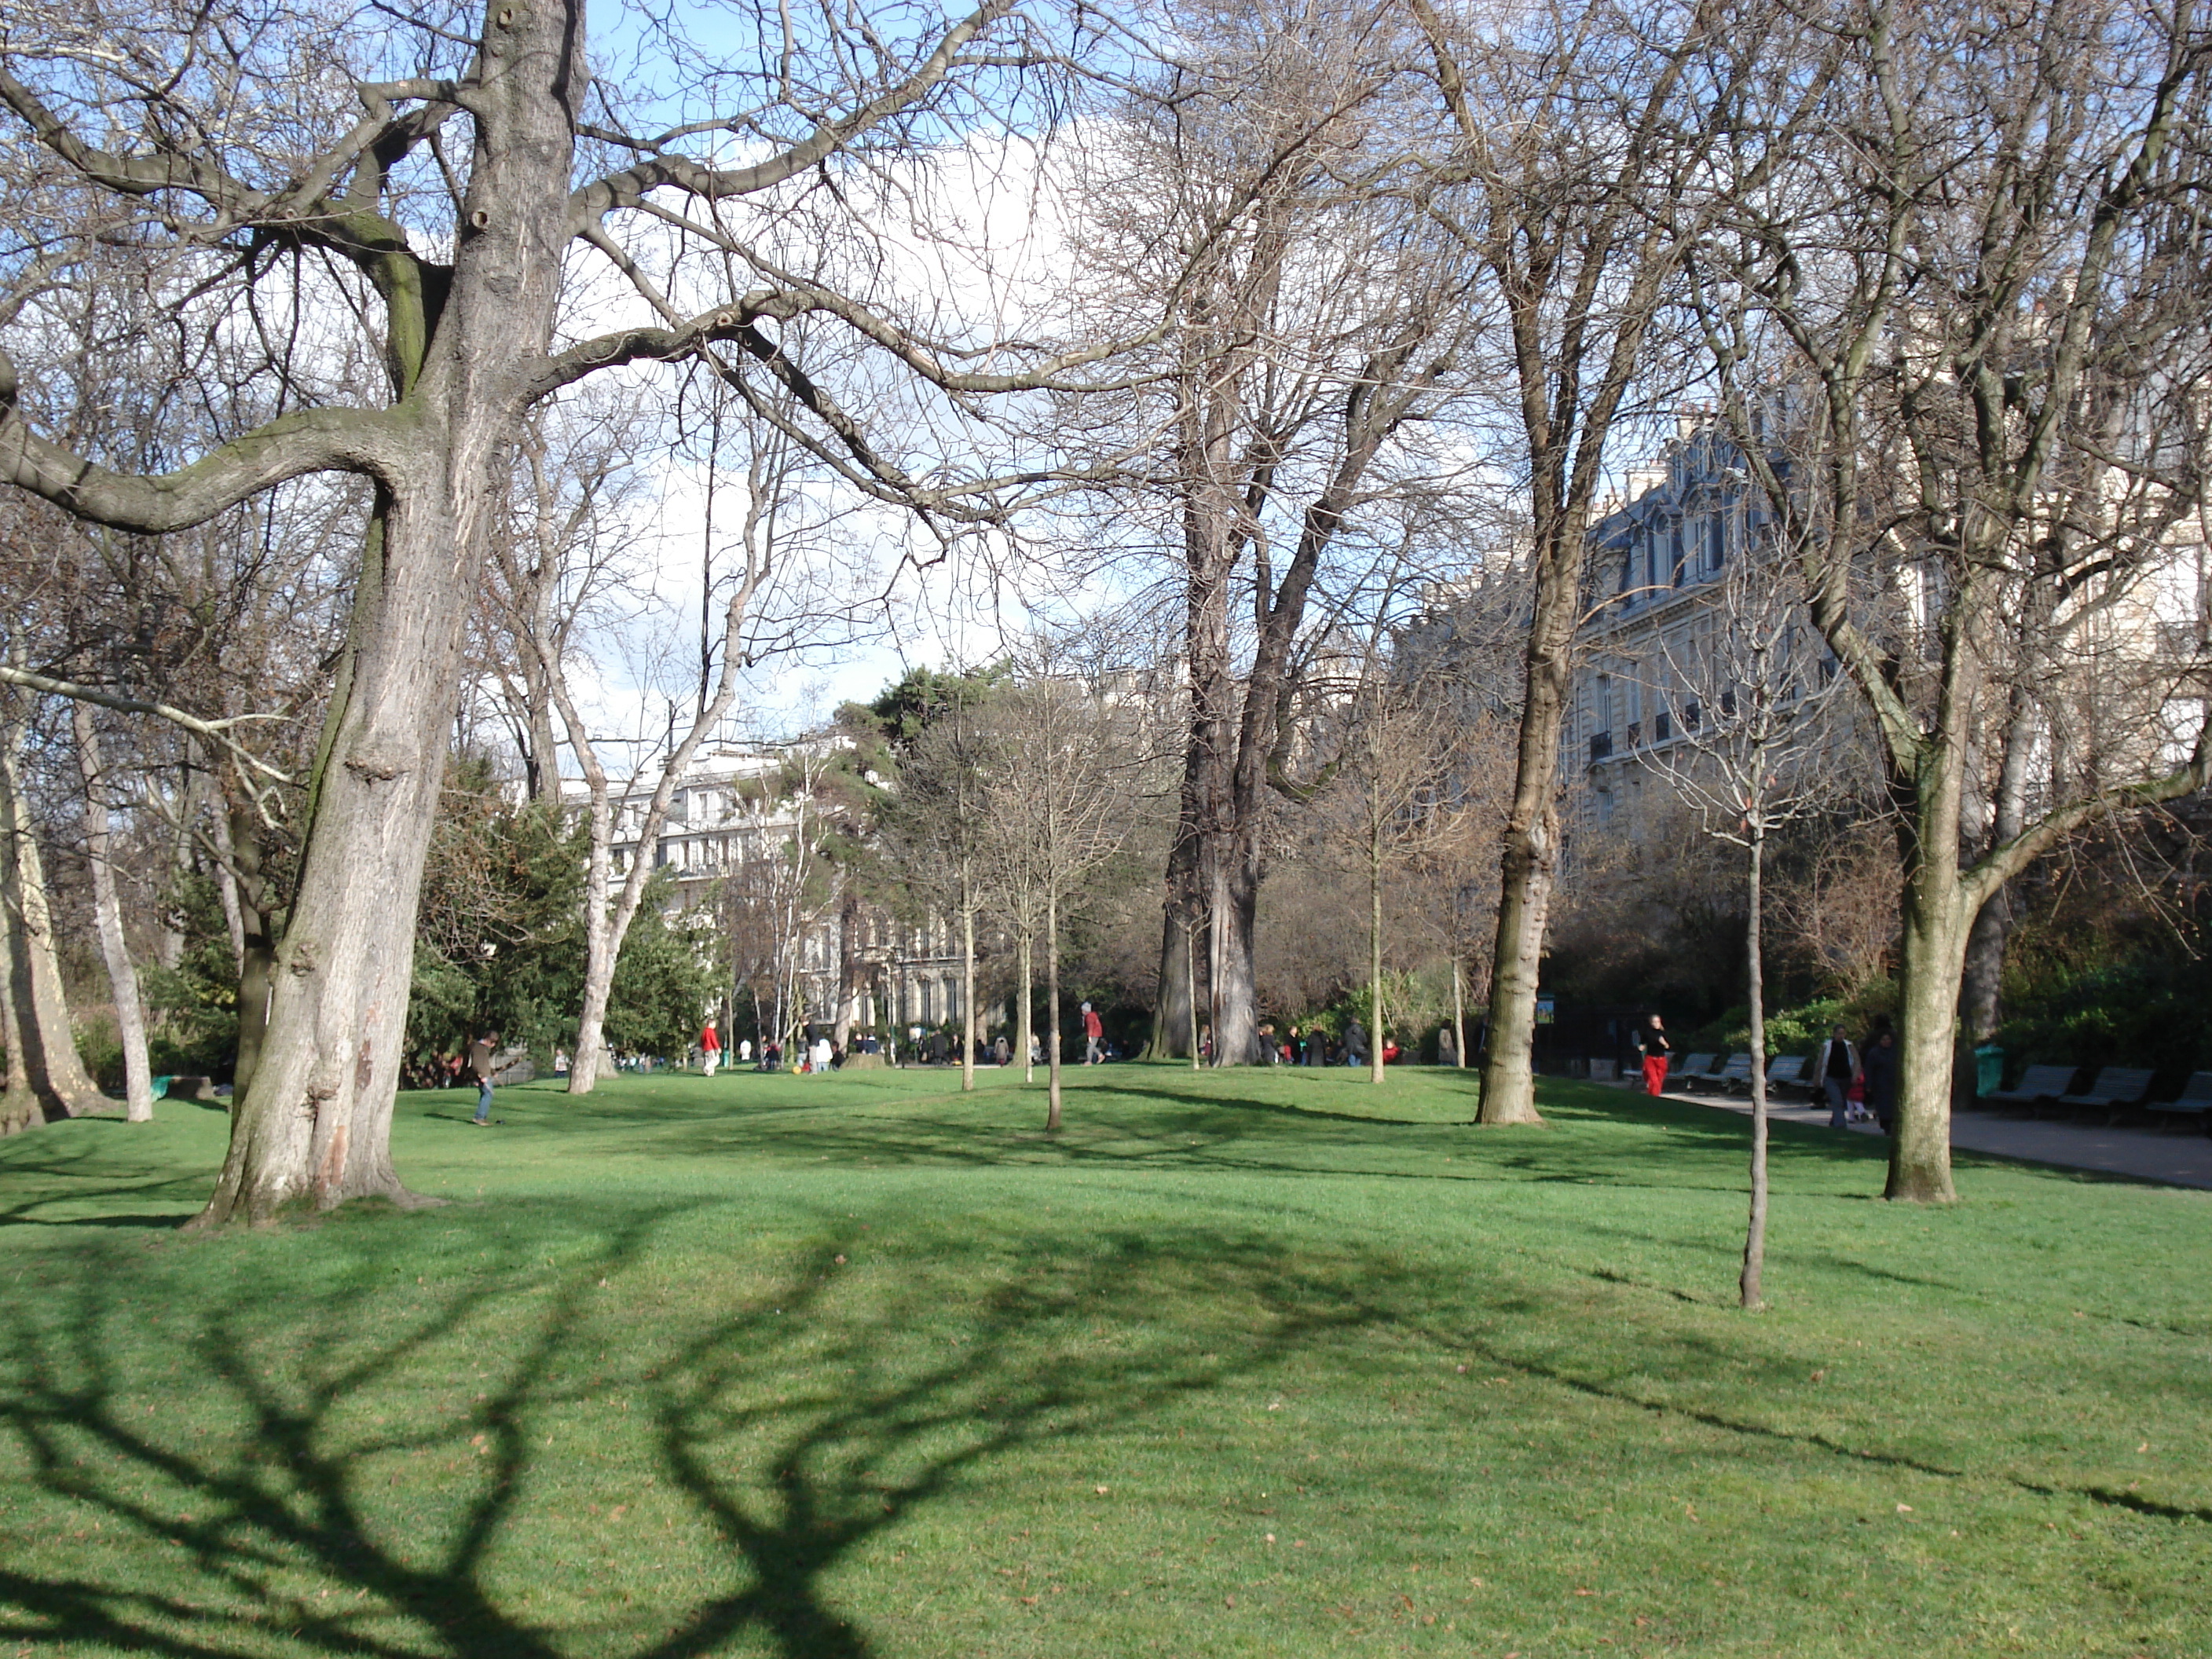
x,y
1661,727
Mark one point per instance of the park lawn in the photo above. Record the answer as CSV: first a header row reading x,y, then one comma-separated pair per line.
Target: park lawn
x,y
1258,1363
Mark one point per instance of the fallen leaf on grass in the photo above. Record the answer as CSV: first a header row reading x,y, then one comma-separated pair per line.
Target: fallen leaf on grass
x,y
1904,1509
1101,1490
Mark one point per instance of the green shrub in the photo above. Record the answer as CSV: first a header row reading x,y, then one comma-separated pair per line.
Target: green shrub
x,y
1798,1029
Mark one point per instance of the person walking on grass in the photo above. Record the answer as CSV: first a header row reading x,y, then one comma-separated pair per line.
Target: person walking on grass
x,y
480,1057
710,1048
1652,1044
1836,1067
1094,1035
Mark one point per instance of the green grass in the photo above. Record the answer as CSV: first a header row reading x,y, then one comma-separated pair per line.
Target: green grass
x,y
1256,1363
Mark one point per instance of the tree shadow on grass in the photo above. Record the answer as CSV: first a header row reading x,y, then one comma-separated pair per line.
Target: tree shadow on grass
x,y
295,1464
79,1170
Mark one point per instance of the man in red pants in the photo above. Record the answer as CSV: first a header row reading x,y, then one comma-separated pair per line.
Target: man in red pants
x,y
1651,1042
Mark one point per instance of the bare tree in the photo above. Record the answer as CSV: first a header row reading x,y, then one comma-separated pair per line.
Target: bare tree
x,y
1257,211
940,820
439,206
723,663
1750,692
107,919
1400,797
47,1053
1052,802
1573,129
1958,323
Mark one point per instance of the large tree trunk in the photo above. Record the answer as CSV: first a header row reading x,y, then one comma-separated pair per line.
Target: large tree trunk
x,y
1530,860
1931,963
107,921
19,1106
315,1125
1749,1286
1172,1007
1190,978
226,883
1980,997
257,953
584,1070
1234,885
52,1066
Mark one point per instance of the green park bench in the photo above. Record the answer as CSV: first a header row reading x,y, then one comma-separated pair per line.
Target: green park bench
x,y
2117,1088
1692,1070
1786,1072
1736,1074
2192,1111
2038,1082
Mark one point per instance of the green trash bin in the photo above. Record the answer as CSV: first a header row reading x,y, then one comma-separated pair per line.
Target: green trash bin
x,y
1988,1069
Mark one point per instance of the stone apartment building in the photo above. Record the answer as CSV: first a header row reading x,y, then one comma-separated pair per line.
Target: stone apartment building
x,y
2129,667
735,838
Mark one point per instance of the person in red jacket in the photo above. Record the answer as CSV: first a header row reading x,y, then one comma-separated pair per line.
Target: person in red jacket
x,y
1094,1035
710,1048
1651,1042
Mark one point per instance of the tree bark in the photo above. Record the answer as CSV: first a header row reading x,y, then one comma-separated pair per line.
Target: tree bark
x,y
1029,1013
1527,869
314,1126
1052,1012
19,1106
967,984
52,1066
1749,1286
1172,1007
1980,1000
1459,1014
258,930
107,921
1374,1072
588,1064
1931,963
226,883
1190,1002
